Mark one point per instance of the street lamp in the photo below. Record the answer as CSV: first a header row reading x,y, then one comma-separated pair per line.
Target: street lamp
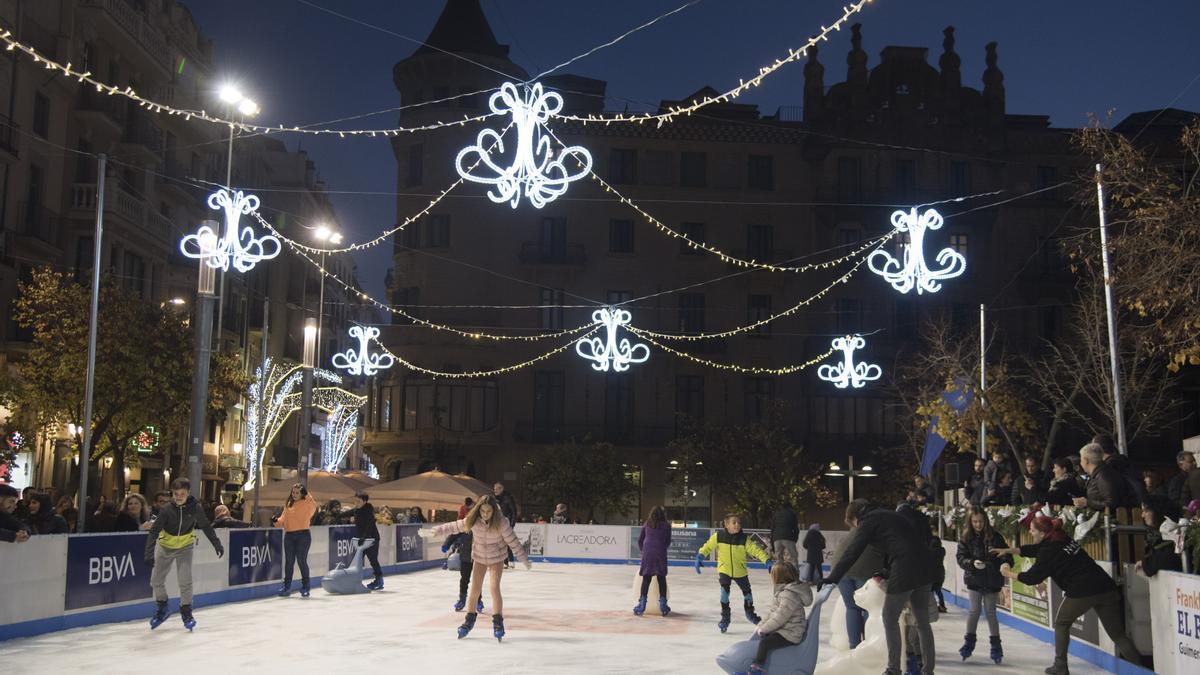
x,y
205,299
328,235
851,473
310,352
231,95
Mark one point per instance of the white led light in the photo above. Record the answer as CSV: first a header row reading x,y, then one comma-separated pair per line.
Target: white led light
x,y
848,373
238,247
340,430
248,108
230,94
911,271
535,172
608,352
360,362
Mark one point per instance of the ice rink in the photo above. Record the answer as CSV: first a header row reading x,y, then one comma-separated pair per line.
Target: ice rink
x,y
561,618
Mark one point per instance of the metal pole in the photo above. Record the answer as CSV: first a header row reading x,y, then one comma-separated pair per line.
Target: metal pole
x,y
1118,407
982,376
203,356
306,416
221,296
260,453
85,452
851,475
321,309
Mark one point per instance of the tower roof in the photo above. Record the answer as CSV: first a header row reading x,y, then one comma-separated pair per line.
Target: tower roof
x,y
463,29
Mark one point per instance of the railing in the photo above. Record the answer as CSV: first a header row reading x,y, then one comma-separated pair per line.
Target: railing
x,y
146,35
35,220
7,129
141,131
535,253
124,204
113,106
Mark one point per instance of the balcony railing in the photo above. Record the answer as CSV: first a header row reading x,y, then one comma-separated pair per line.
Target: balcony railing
x,y
538,253
141,131
38,222
125,204
146,35
112,106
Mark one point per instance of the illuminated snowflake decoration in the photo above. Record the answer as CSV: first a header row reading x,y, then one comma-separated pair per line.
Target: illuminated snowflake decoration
x,y
910,271
609,352
341,429
848,373
146,440
360,362
238,247
535,173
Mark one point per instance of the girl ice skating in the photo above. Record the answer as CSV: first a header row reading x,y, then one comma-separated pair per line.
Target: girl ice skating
x,y
653,542
492,539
981,570
295,520
730,546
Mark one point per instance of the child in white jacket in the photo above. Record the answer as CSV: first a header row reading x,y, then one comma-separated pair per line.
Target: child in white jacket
x,y
784,625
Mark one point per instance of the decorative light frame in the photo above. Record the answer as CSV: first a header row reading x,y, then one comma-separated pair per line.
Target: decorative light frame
x,y
360,362
341,430
609,352
847,373
910,271
237,246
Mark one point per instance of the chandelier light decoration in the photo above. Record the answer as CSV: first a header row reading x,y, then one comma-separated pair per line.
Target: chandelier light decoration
x,y
910,271
535,173
238,246
848,373
609,352
359,362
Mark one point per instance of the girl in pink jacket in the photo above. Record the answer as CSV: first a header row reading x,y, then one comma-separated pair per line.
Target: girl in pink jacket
x,y
492,537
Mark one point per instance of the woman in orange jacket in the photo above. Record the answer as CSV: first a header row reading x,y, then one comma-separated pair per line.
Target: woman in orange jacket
x,y
295,519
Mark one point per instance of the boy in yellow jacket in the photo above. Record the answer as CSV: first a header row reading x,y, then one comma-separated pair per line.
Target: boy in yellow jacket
x,y
730,547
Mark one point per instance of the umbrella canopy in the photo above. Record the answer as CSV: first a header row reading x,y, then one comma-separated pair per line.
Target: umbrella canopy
x,y
322,485
429,490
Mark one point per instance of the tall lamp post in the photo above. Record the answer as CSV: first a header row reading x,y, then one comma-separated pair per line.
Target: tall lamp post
x,y
326,235
231,95
851,473
205,299
310,353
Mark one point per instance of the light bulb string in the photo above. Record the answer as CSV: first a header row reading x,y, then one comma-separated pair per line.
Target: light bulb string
x,y
748,370
485,373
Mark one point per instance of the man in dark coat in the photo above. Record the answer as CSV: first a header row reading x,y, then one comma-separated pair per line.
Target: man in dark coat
x,y
1120,464
1033,488
11,529
975,486
366,528
909,575
785,530
1106,489
814,547
1175,488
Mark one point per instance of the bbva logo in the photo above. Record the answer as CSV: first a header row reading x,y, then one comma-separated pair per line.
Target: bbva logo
x,y
409,542
108,568
345,547
253,555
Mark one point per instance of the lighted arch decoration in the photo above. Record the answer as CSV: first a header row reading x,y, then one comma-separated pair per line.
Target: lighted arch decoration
x,y
609,352
237,246
535,173
847,373
341,430
910,271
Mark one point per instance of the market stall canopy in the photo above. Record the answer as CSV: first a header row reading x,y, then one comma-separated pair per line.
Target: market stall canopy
x,y
429,490
322,485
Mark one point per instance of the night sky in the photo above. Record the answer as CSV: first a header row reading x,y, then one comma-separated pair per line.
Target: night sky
x,y
1060,58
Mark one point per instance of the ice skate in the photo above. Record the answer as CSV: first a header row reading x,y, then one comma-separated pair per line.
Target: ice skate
x,y
461,603
723,624
663,607
640,608
285,591
160,615
912,665
1059,668
997,650
750,615
185,613
467,625
498,627
968,646
304,591
376,585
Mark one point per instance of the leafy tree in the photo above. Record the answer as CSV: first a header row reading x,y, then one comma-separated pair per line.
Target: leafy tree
x,y
144,356
586,475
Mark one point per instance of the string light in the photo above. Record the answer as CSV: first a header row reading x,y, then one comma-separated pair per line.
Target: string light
x,y
360,362
482,373
534,173
911,271
340,431
743,85
609,352
848,373
238,246
749,370
188,114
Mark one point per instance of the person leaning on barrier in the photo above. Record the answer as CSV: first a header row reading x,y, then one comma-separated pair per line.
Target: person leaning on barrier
x,y
42,519
1160,553
1186,462
1106,489
11,529
223,518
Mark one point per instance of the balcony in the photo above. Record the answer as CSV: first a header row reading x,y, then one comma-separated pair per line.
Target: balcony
x,y
39,224
140,32
143,136
102,110
125,205
9,132
176,176
539,253
527,431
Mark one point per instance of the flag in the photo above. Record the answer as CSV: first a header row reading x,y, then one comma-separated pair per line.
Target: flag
x,y
958,399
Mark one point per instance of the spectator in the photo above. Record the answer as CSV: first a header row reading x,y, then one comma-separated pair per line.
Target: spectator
x,y
223,518
975,486
1191,487
1160,553
465,508
938,551
560,516
1120,464
237,507
101,502
925,488
104,520
134,512
1002,494
785,531
42,519
161,499
1106,489
1065,486
66,509
1186,462
992,473
1153,483
814,548
415,515
11,529
1033,486
869,564
21,513
330,515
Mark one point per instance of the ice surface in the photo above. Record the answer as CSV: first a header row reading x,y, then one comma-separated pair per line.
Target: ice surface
x,y
573,618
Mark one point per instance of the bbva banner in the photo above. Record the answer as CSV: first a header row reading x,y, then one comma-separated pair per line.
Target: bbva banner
x,y
255,556
106,569
409,546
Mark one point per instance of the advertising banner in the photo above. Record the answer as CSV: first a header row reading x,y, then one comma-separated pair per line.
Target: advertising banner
x,y
255,556
607,542
408,543
1175,603
685,542
533,537
1031,603
341,549
103,570
1086,627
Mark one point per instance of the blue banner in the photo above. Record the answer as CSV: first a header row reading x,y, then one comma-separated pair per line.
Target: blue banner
x,y
341,548
255,555
103,570
958,399
408,543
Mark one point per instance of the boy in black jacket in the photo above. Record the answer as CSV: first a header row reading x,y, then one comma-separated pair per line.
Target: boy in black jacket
x,y
365,528
174,533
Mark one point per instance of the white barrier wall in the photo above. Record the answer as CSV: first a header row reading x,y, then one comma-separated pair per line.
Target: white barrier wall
x,y
1175,622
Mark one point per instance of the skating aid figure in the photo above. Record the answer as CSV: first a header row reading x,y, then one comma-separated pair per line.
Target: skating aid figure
x,y
172,540
730,547
492,538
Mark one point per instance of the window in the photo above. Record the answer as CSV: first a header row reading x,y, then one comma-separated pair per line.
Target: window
x,y
437,231
760,173
620,236
906,178
418,405
849,315
958,242
549,390
760,242
758,308
849,186
416,164
622,166
550,316
453,406
412,235
83,258
552,240
134,277
1046,176
618,406
757,395
619,297
41,115
959,179
691,312
485,405
693,169
694,232
689,400
88,58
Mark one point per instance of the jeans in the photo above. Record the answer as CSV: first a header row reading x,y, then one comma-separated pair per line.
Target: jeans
x,y
986,602
742,582
1111,615
893,604
163,558
856,617
769,643
295,550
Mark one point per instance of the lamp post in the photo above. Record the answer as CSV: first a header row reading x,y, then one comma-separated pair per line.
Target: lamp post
x,y
310,353
323,234
851,473
205,299
239,103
